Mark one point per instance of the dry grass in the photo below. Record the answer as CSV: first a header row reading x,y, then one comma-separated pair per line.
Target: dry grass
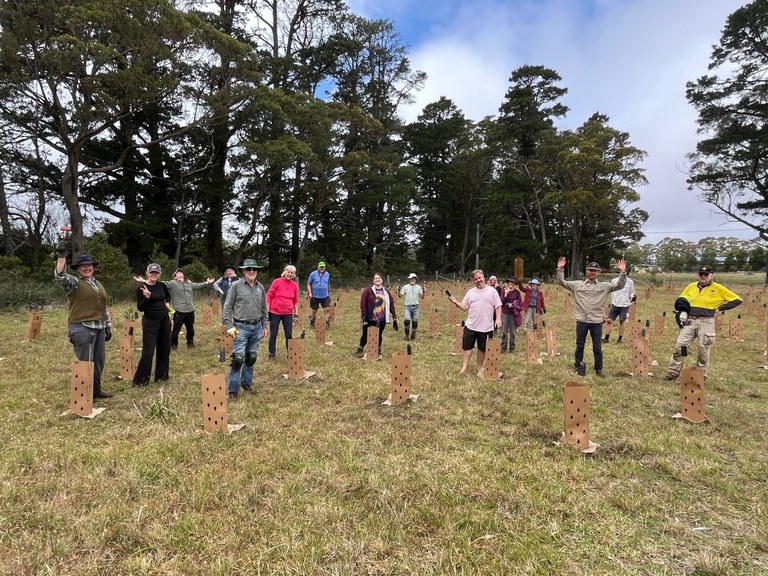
x,y
326,480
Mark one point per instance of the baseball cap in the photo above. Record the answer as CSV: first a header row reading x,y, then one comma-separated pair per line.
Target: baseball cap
x,y
153,268
412,275
177,271
321,264
593,266
534,281
705,270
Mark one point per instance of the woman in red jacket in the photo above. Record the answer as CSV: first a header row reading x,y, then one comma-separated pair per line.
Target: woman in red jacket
x,y
283,305
377,308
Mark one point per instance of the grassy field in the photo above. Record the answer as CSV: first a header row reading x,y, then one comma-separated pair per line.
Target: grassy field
x,y
324,479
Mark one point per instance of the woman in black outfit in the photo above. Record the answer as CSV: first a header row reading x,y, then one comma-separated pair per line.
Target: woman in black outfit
x,y
153,299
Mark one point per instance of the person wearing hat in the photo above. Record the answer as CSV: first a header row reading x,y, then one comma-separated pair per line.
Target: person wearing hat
x,y
319,292
588,304
153,299
88,324
245,316
704,298
182,305
511,317
412,293
228,277
533,303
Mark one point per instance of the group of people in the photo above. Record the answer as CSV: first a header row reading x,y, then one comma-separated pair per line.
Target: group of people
x,y
250,313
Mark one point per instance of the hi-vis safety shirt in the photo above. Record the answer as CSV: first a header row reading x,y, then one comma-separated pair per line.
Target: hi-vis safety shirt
x,y
706,300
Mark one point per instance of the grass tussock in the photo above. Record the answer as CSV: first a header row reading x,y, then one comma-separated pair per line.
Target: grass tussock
x,y
324,479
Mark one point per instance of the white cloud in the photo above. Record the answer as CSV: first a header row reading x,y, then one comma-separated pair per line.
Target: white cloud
x,y
628,59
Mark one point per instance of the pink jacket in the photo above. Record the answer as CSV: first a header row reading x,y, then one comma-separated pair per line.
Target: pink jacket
x,y
283,296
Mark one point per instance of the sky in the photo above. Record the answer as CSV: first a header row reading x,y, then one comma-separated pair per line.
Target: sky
x,y
628,59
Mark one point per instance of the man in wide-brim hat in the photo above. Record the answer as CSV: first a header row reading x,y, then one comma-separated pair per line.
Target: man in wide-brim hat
x,y
245,316
89,325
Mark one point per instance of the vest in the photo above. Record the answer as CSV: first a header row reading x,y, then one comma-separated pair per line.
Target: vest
x,y
86,304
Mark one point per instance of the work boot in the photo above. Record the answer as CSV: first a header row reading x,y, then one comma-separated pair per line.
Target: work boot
x,y
581,369
312,323
413,334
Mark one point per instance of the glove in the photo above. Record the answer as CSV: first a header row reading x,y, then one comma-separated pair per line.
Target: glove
x,y
107,334
394,325
233,332
634,298
171,311
62,248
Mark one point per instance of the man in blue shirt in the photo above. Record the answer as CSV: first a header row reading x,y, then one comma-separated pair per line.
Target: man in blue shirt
x,y
319,291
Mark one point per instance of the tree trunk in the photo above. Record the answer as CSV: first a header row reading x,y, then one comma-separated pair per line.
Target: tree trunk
x,y
5,221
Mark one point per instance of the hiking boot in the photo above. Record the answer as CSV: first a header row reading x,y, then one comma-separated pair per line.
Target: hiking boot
x,y
249,389
581,369
233,395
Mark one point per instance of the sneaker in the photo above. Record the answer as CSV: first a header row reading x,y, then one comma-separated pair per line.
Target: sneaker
x,y
102,395
669,378
599,374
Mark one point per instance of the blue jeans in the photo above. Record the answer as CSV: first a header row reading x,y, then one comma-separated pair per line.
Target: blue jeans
x,y
274,326
248,338
596,330
79,336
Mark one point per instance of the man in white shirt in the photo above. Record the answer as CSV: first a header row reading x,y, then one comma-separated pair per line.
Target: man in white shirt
x,y
483,305
621,300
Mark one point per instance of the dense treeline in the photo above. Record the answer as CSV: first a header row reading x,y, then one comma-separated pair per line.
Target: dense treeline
x,y
213,130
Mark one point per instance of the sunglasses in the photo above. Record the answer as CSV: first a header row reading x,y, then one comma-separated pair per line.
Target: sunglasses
x,y
250,269
704,273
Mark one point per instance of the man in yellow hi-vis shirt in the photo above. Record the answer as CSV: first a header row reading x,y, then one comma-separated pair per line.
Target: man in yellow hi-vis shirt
x,y
704,299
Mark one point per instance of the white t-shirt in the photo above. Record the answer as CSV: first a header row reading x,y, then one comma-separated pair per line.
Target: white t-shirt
x,y
482,303
623,298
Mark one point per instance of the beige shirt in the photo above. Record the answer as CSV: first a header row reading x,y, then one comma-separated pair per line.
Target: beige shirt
x,y
589,296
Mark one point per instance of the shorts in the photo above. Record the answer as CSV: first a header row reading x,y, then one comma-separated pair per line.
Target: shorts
x,y
315,303
471,337
411,312
616,312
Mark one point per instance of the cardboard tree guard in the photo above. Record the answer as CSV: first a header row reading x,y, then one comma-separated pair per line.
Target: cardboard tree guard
x,y
372,344
214,393
576,411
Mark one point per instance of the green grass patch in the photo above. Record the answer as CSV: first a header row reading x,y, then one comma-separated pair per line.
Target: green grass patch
x,y
324,479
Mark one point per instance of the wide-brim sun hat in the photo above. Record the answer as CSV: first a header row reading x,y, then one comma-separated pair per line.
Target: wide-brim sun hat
x,y
250,263
82,260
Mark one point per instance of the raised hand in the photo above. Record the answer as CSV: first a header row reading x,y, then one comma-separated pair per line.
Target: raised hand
x,y
561,262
